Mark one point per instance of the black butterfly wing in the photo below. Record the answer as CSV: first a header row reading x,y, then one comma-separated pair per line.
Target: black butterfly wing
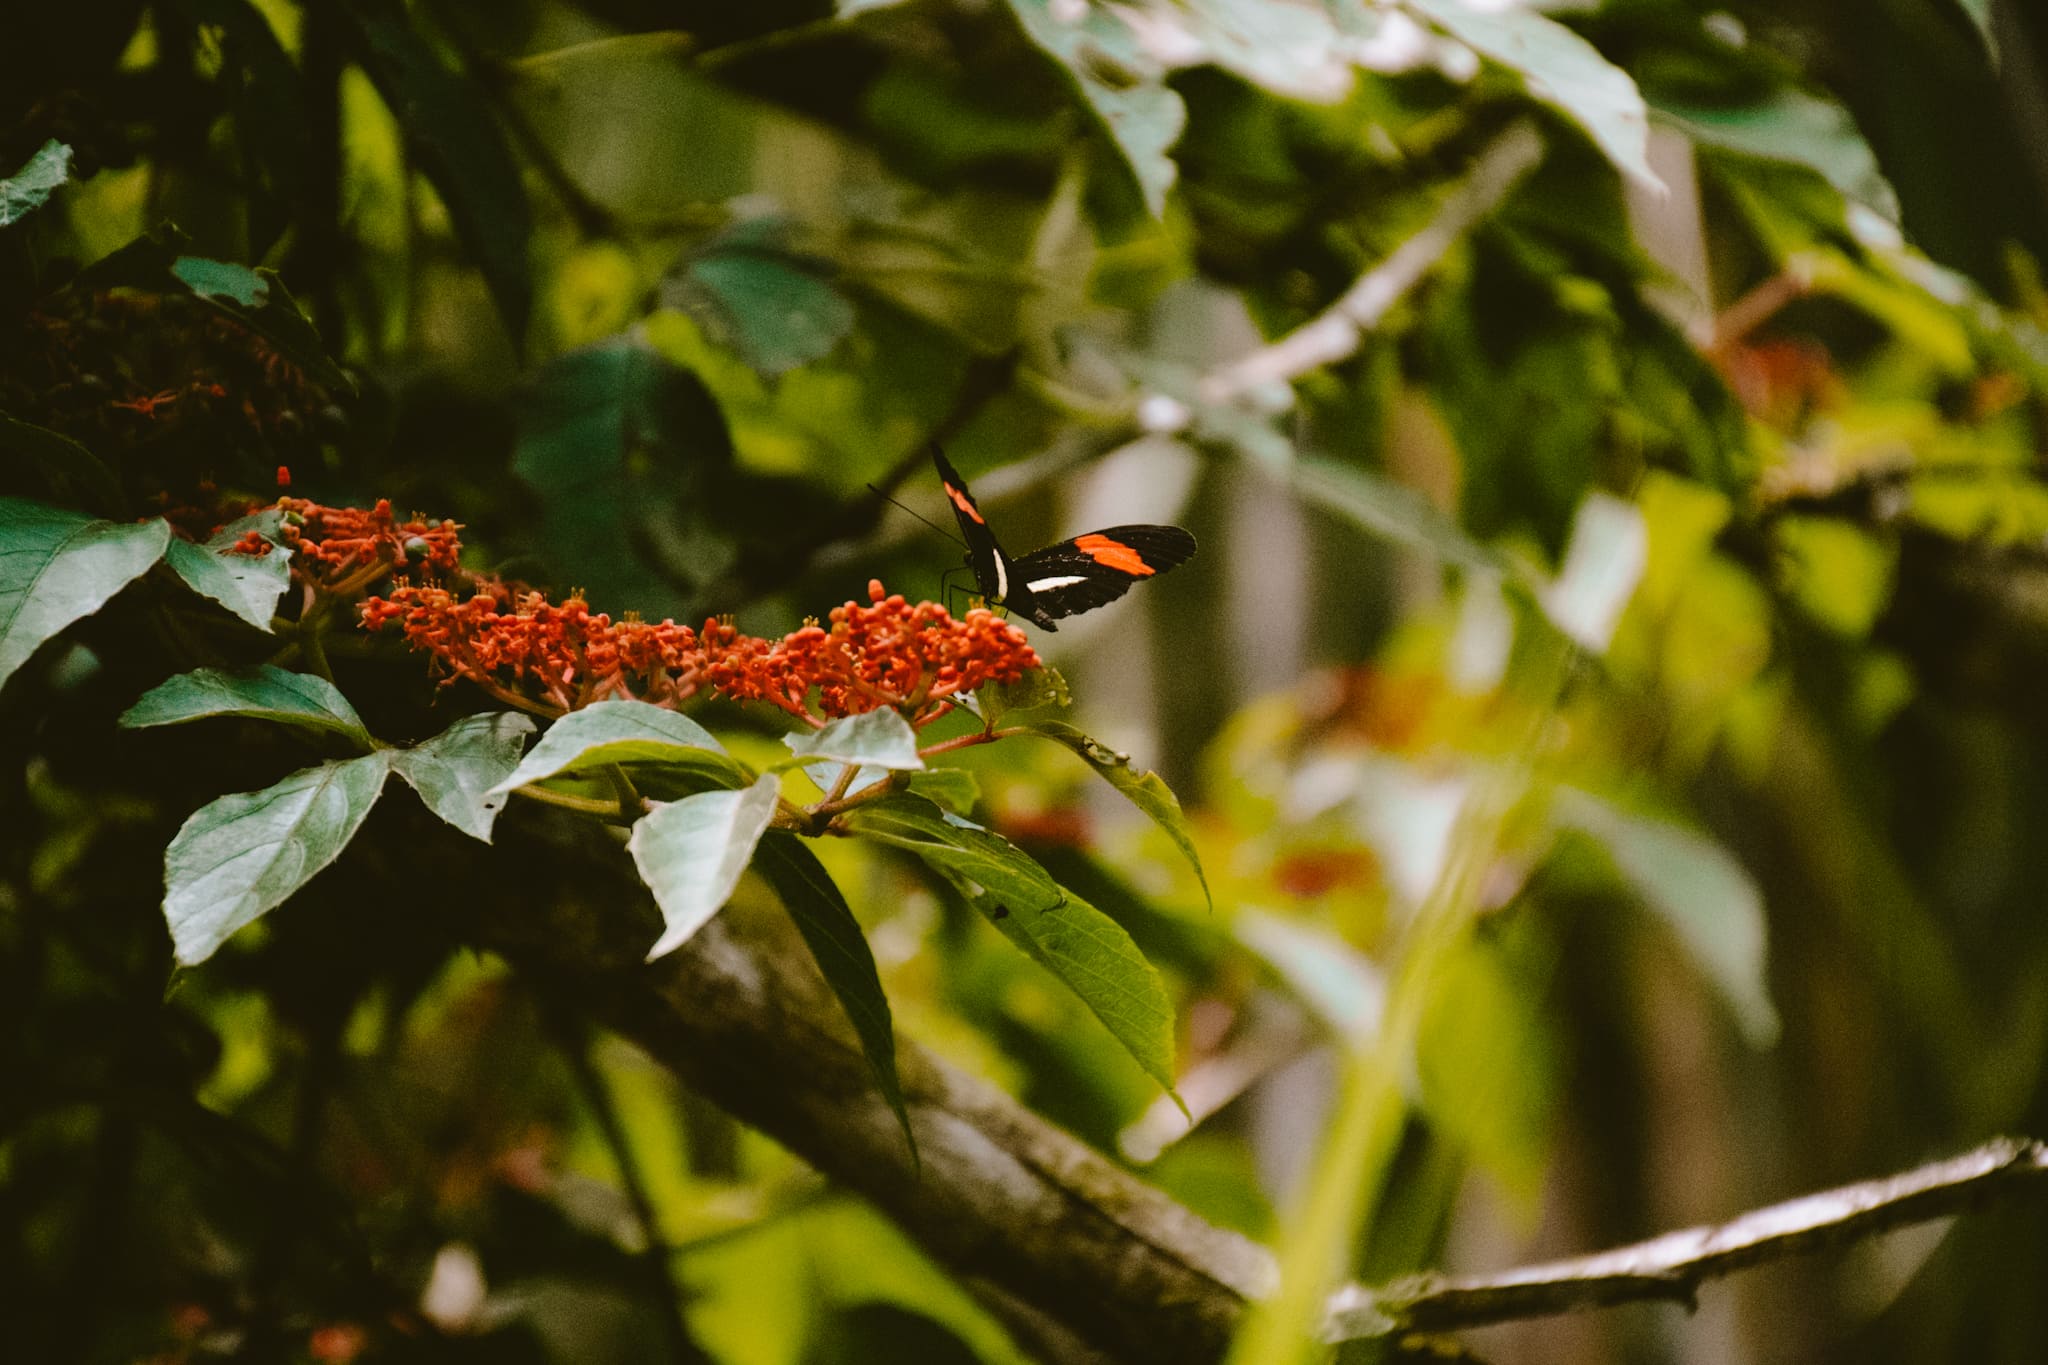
x,y
1084,573
991,566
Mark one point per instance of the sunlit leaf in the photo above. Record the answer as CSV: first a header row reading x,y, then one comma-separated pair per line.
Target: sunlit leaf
x,y
1790,125
1145,790
247,585
267,693
624,732
833,935
57,567
29,188
1604,563
457,772
1559,68
1123,86
691,854
243,855
1700,890
874,739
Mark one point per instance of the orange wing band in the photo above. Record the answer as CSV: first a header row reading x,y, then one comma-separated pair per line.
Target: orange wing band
x,y
966,508
1114,554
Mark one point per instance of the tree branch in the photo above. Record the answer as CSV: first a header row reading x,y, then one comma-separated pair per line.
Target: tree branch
x,y
1673,1266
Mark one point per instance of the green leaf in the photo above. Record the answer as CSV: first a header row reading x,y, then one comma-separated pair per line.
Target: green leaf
x,y
450,129
257,299
1147,791
57,567
1560,69
872,739
247,585
1036,691
243,855
1086,949
266,693
29,188
758,297
60,467
457,772
953,789
1123,85
833,935
624,732
691,854
1396,511
1699,889
1792,126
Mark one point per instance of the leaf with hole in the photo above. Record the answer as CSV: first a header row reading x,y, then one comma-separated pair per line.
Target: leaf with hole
x,y
457,772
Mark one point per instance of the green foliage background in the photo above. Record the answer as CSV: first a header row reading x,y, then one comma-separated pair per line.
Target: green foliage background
x,y
1688,511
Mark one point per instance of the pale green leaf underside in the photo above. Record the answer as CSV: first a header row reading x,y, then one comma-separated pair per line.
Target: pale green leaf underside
x,y
457,772
623,732
264,693
58,567
873,739
692,852
247,585
244,854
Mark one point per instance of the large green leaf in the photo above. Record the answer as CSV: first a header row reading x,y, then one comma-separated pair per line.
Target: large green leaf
x,y
833,935
625,732
873,739
691,854
457,772
243,855
29,188
1147,790
265,693
1803,129
1559,68
43,462
772,305
1699,889
247,585
449,126
1086,949
57,567
1124,86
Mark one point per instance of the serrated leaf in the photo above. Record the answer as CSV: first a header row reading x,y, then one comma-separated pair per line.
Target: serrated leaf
x,y
264,693
29,188
457,772
241,856
1561,69
872,739
1147,790
1122,84
624,732
57,567
449,127
1699,889
62,468
691,854
833,935
1086,949
247,585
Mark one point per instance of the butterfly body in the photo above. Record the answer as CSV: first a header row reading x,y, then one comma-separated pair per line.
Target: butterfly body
x,y
1073,576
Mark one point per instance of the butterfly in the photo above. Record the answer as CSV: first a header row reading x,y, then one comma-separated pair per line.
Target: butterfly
x,y
1073,576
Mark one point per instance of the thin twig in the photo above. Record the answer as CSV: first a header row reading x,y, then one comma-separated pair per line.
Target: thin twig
x,y
1673,1266
1336,332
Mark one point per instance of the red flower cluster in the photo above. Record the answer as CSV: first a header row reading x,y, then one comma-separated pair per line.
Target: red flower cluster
x,y
343,549
886,653
504,639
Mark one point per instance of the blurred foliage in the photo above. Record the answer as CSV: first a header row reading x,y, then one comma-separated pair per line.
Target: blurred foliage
x,y
1690,511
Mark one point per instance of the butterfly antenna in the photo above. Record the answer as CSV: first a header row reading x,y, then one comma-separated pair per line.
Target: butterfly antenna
x,y
920,516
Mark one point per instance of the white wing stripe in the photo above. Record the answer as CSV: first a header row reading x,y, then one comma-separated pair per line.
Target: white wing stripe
x,y
1002,591
1048,584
